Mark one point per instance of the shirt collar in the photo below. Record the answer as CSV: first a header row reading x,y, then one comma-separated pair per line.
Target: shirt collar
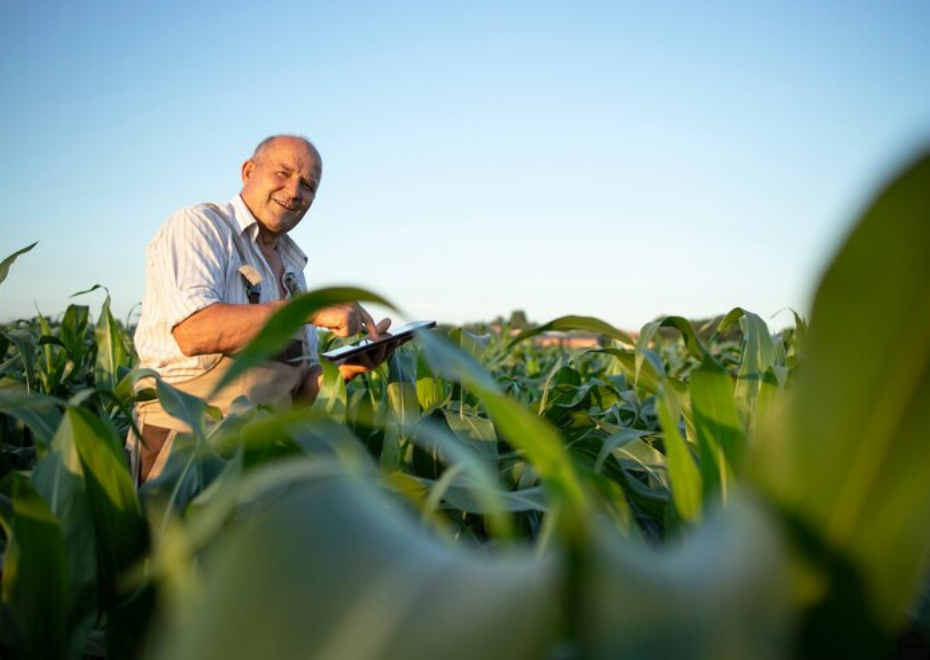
x,y
248,225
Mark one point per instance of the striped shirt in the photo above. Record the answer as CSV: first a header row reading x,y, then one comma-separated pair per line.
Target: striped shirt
x,y
193,262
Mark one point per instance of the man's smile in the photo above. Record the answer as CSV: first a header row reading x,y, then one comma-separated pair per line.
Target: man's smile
x,y
284,204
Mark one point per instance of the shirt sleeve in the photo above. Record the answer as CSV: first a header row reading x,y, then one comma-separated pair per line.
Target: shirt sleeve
x,y
188,258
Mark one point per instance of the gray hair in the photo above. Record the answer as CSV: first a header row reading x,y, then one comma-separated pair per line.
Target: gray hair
x,y
264,144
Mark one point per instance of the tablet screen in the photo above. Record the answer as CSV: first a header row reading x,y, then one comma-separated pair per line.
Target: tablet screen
x,y
404,332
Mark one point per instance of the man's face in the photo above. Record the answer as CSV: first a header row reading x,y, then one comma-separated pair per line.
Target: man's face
x,y
279,185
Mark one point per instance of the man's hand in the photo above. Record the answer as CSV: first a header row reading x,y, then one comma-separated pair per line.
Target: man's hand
x,y
370,359
352,367
348,319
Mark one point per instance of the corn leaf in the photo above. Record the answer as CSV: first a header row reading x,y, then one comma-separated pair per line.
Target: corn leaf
x,y
25,344
756,358
111,352
59,478
568,323
850,462
682,470
42,414
721,592
474,344
191,410
524,430
331,398
719,428
119,528
280,328
6,263
332,551
36,585
476,432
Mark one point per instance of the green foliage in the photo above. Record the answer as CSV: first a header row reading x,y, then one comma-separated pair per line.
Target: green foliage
x,y
707,490
364,567
848,458
36,588
6,263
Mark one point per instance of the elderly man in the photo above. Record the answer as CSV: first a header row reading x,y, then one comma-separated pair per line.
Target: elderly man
x,y
215,273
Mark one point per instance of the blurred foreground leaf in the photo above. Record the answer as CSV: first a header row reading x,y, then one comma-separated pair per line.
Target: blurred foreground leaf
x,y
849,462
720,593
36,588
340,573
282,326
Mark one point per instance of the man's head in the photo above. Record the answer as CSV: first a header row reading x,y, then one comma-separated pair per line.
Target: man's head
x,y
280,180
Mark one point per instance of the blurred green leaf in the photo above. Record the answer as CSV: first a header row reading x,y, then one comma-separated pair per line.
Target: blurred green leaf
x,y
800,334
331,398
126,388
367,584
547,385
36,585
289,319
431,390
721,592
431,394
848,458
473,344
464,493
403,406
190,409
190,469
474,431
617,441
457,451
393,448
454,364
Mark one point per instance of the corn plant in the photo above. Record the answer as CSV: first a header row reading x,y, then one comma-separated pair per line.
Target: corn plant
x,y
703,490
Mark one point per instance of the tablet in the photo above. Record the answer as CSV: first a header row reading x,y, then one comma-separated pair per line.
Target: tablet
x,y
401,335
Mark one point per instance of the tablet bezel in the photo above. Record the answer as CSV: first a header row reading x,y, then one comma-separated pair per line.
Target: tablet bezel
x,y
403,333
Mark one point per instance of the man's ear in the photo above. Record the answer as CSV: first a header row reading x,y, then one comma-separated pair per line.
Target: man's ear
x,y
247,168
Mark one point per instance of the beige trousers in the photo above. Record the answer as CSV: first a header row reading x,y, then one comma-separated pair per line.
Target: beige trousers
x,y
273,383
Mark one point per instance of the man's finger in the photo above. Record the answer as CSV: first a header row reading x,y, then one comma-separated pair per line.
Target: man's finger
x,y
368,322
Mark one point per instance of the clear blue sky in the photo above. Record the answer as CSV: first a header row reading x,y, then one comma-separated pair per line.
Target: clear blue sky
x,y
621,160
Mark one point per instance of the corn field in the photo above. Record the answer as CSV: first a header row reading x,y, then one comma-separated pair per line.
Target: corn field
x,y
713,492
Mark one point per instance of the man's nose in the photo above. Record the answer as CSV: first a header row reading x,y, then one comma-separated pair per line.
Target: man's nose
x,y
293,188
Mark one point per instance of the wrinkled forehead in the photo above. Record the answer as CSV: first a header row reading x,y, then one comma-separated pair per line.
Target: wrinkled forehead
x,y
293,154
